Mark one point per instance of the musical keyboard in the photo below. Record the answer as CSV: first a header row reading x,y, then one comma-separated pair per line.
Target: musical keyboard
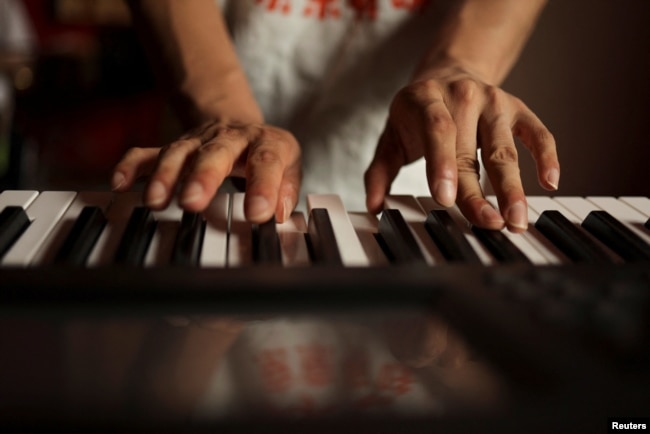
x,y
564,305
94,229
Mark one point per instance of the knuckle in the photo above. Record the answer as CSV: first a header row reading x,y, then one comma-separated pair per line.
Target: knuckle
x,y
464,90
214,157
265,157
503,155
209,173
222,133
544,136
439,123
225,133
496,98
182,146
467,164
214,148
275,136
421,91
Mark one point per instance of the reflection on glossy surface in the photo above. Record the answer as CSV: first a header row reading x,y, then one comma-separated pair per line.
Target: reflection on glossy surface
x,y
175,369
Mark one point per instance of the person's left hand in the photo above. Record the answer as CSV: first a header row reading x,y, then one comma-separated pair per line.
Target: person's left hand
x,y
446,116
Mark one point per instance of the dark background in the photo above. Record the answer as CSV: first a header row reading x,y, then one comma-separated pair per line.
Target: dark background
x,y
586,73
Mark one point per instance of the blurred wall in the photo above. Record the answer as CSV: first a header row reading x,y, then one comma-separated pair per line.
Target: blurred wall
x,y
586,73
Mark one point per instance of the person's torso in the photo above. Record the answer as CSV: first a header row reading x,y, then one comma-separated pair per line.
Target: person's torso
x,y
327,70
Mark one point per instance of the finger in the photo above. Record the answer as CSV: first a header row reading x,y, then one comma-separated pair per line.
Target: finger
x,y
382,171
171,161
265,168
439,136
501,164
289,190
465,110
213,162
541,143
135,163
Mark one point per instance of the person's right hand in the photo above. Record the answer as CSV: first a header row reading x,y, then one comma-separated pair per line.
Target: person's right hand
x,y
268,157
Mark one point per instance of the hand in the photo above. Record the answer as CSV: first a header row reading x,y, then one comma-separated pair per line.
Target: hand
x,y
445,116
268,157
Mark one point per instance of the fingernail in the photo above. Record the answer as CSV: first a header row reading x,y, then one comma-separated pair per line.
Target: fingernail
x,y
157,194
517,215
117,181
287,203
490,214
445,193
553,178
192,192
257,208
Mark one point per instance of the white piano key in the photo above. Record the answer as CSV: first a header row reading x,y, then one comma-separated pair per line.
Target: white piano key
x,y
117,217
536,238
366,226
240,238
619,210
350,248
215,239
533,244
162,242
639,203
624,213
54,241
44,212
21,198
544,203
579,206
573,208
292,241
429,204
414,215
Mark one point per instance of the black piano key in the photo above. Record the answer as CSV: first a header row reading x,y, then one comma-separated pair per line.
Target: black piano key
x,y
450,238
647,224
189,238
500,246
137,236
82,237
572,241
13,222
321,241
397,237
616,236
266,244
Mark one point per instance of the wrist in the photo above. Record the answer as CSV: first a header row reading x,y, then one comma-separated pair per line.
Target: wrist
x,y
227,99
448,67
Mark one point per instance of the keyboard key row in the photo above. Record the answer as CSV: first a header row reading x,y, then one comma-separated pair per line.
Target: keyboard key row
x,y
98,228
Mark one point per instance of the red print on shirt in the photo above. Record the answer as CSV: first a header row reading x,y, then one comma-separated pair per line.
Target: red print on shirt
x,y
322,9
283,6
275,370
411,5
364,9
331,9
316,364
394,379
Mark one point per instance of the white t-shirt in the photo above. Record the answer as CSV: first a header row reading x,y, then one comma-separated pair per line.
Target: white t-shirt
x,y
327,70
